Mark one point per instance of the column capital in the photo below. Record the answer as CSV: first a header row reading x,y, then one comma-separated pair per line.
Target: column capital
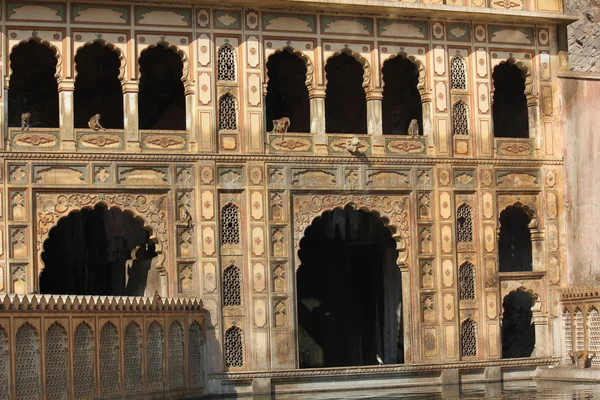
x,y
130,86
374,94
426,96
188,88
316,92
67,85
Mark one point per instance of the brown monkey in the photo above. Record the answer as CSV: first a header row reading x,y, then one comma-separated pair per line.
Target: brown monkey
x,y
413,128
25,117
582,358
94,123
281,125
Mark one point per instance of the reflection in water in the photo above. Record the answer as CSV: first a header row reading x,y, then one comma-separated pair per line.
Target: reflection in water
x,y
522,390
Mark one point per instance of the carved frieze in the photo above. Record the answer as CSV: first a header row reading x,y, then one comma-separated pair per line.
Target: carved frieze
x,y
295,144
517,179
387,178
405,146
31,140
59,174
514,148
314,177
339,145
143,175
100,141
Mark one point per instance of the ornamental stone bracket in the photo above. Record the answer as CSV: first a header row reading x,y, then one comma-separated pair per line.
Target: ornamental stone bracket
x,y
393,211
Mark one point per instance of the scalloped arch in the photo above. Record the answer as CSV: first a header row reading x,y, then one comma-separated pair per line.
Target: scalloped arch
x,y
525,70
363,62
420,68
309,82
185,71
55,50
111,46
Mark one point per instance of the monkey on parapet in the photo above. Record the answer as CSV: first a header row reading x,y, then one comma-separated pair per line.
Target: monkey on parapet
x,y
25,117
94,123
582,358
413,128
281,125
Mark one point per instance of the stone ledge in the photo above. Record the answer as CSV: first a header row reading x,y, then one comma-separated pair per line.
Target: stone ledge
x,y
563,373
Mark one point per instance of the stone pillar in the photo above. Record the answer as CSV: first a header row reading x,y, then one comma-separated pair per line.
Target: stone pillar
x,y
540,321
190,120
5,143
130,115
375,120
533,115
426,104
66,87
316,95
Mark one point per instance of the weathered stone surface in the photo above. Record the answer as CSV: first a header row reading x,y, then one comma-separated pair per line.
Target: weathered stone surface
x,y
584,35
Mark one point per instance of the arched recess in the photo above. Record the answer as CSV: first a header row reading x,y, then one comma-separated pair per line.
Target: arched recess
x,y
33,83
55,51
286,94
150,209
518,330
99,73
392,211
185,72
518,235
511,99
161,100
345,102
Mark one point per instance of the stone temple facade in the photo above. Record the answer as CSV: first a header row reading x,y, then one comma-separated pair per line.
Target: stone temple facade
x,y
232,197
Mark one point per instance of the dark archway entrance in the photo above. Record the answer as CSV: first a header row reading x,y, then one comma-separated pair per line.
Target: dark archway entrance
x,y
518,333
514,242
91,252
349,292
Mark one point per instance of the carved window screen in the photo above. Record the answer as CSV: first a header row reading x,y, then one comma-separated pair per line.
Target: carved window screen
x,y
109,361
56,362
234,348
226,63
27,363
83,362
468,338
460,118
133,358
228,113
464,223
232,287
567,326
175,356
458,73
579,334
230,224
466,278
196,361
154,357
594,332
4,366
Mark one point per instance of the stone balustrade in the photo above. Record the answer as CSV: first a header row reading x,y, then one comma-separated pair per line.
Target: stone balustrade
x,y
581,320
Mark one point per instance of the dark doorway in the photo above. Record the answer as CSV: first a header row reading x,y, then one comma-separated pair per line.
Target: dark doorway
x,y
509,109
349,292
97,86
287,94
401,99
515,249
345,101
162,95
87,253
32,87
518,333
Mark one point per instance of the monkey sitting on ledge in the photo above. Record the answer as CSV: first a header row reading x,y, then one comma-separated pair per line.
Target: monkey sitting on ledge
x,y
94,123
582,358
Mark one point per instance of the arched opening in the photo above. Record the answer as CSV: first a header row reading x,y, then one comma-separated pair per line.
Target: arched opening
x,y
162,95
287,94
97,86
401,99
514,242
345,98
518,332
509,109
91,252
33,87
349,292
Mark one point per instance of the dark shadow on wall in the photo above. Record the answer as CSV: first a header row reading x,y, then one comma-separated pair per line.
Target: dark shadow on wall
x,y
518,332
97,252
349,292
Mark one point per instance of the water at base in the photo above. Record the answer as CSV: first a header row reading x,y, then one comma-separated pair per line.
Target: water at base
x,y
521,390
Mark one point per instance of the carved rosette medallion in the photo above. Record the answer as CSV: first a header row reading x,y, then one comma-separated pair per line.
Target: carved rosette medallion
x,y
394,211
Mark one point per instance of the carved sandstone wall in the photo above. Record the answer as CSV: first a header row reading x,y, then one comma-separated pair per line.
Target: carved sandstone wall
x,y
584,35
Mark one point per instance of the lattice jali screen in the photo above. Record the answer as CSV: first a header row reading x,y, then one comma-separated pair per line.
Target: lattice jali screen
x,y
232,287
226,61
27,363
195,356
230,224
56,362
468,338
466,279
594,332
4,366
234,348
458,73
109,361
566,317
176,356
154,357
579,334
83,362
464,223
460,118
133,358
228,113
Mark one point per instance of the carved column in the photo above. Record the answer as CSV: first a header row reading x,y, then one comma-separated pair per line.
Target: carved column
x,y
130,115
426,103
190,124
5,143
316,95
533,114
66,87
540,321
374,120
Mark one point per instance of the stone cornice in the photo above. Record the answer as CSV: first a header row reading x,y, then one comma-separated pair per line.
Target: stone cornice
x,y
580,293
271,158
